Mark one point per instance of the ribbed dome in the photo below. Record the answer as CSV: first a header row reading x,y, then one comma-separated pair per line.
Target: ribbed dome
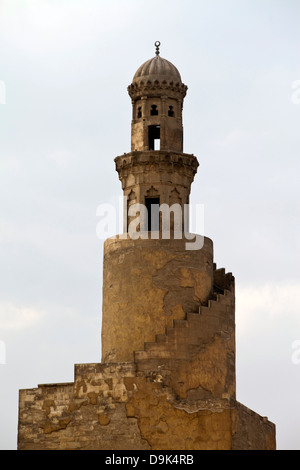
x,y
157,68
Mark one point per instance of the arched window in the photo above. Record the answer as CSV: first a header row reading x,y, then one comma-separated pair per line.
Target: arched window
x,y
154,110
171,111
139,112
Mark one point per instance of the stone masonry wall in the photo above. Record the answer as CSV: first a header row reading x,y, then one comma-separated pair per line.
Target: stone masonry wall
x,y
166,281
196,357
178,393
111,407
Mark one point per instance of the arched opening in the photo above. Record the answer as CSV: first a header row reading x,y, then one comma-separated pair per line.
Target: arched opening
x,y
171,111
154,110
152,206
154,137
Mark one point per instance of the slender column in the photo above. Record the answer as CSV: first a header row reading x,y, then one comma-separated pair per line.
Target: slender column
x,y
163,137
145,128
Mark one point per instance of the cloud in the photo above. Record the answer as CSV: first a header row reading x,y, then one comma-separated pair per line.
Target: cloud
x,y
264,304
13,317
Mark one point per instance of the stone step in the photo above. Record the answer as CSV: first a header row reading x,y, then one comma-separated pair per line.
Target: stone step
x,y
161,338
222,300
204,310
156,351
156,346
180,324
170,332
193,317
164,344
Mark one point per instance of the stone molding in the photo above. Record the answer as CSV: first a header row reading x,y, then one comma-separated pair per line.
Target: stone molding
x,y
156,88
140,161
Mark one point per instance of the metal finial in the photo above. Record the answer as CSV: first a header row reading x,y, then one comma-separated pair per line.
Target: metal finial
x,y
157,44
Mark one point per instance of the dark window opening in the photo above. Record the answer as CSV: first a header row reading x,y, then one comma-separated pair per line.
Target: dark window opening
x,y
154,110
139,113
152,206
171,111
154,137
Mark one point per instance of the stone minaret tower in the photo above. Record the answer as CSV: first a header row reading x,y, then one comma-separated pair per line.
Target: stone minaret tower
x,y
151,281
167,379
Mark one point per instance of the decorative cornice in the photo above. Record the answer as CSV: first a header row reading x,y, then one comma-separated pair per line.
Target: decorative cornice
x,y
162,161
156,87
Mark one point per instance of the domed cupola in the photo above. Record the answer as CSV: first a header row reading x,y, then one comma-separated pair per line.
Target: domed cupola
x,y
157,94
157,68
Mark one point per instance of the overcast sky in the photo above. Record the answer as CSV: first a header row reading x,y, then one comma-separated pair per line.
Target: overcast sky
x,y
65,114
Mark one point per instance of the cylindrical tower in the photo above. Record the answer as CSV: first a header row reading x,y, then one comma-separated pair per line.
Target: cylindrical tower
x,y
149,281
156,172
157,94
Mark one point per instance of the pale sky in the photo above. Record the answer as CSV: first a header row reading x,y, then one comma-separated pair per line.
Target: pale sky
x,y
65,114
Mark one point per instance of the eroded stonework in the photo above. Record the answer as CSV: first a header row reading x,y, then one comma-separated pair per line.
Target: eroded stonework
x,y
165,282
178,393
111,407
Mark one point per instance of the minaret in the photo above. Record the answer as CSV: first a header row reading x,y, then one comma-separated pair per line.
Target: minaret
x,y
153,277
166,380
